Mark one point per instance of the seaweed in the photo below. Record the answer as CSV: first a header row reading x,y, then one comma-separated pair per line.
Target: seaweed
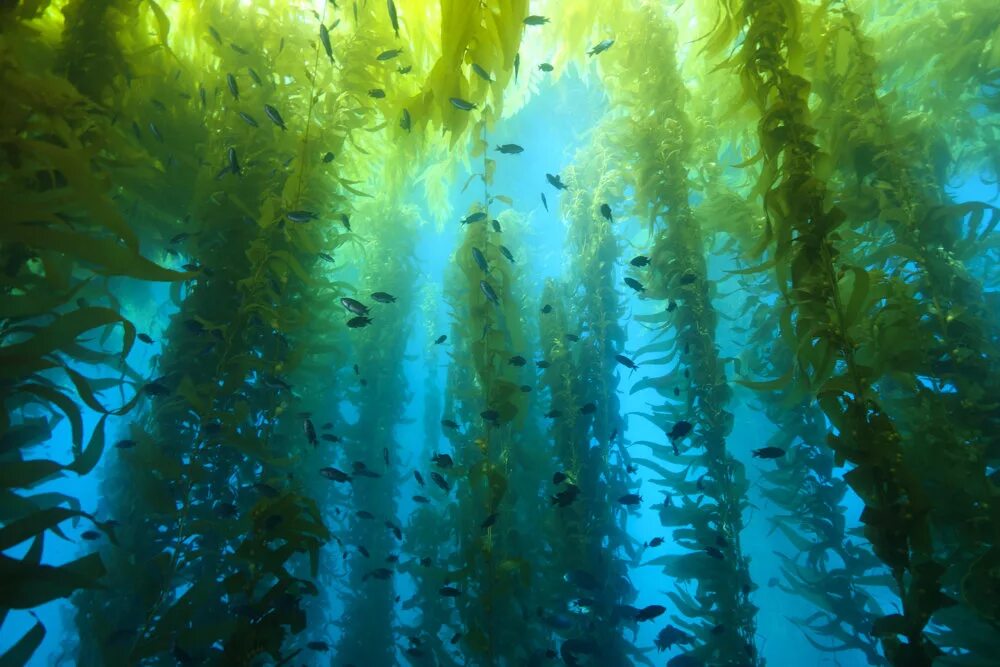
x,y
823,301
579,339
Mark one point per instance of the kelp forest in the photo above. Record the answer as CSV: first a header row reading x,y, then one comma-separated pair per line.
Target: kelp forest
x,y
500,333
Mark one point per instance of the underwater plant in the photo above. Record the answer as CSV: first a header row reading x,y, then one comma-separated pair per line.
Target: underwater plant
x,y
221,300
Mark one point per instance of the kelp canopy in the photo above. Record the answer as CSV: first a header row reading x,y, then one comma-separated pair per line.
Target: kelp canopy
x,y
499,333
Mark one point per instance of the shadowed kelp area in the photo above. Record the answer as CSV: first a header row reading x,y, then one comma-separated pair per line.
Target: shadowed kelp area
x,y
499,333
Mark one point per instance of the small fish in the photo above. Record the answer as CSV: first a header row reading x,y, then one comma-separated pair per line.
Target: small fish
x,y
248,119
318,646
233,87
546,309
630,499
389,55
125,444
559,478
155,389
382,573
90,535
359,322
275,117
455,637
254,76
393,18
545,202
545,67
626,362
566,497
650,612
234,163
423,500
478,216
601,47
160,106
238,49
573,338
324,38
300,217
542,364
383,297
517,360
555,181
417,476
489,521
679,430
509,149
639,260
488,291
480,260
442,460
449,591
362,470
404,120
440,339
440,481
490,415
634,284
535,20
671,306
329,437
768,453
448,423
155,131
215,35
376,93
328,157
363,551
335,474
202,96
310,431
265,490
496,226
354,306
517,65
553,414
526,389
482,73
460,104
405,69
715,553
668,636
588,408
144,338
346,221
397,532
606,212
688,278
326,257
655,542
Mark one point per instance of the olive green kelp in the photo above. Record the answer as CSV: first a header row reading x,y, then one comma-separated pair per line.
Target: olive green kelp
x,y
491,572
711,486
823,302
64,243
580,334
223,534
938,334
